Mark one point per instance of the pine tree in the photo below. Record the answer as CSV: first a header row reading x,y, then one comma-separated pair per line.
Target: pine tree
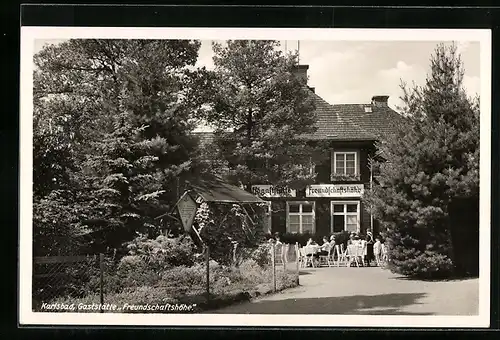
x,y
431,163
122,112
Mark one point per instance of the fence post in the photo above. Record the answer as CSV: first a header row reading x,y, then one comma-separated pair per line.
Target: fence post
x,y
101,279
297,257
284,254
207,264
273,264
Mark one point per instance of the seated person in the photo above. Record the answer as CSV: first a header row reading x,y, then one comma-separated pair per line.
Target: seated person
x,y
325,247
332,241
351,239
332,244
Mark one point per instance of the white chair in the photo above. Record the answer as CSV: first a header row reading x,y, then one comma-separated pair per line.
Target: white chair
x,y
327,259
377,254
384,255
302,257
353,252
364,248
341,254
282,254
309,256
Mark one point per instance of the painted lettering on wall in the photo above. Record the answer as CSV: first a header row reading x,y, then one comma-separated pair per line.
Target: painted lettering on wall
x,y
335,190
273,191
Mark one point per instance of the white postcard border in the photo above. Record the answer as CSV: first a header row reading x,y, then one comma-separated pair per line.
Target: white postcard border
x,y
27,316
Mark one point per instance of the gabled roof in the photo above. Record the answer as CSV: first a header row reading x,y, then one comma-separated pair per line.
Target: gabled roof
x,y
218,191
382,120
344,122
333,124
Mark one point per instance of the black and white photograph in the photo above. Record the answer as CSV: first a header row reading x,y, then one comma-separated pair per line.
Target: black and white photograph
x,y
255,177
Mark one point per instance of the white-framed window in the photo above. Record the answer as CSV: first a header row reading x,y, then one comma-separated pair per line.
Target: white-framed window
x,y
345,163
300,217
345,216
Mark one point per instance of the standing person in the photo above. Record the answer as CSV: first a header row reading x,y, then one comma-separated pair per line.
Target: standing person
x,y
377,250
369,248
332,246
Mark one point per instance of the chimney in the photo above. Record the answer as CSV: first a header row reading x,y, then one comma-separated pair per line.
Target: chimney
x,y
300,71
379,100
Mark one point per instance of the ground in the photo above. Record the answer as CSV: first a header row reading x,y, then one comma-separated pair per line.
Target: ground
x,y
370,290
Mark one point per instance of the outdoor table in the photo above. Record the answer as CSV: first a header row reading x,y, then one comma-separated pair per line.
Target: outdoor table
x,y
312,250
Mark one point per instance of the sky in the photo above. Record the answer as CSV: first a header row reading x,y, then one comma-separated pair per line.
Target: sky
x,y
351,72
347,72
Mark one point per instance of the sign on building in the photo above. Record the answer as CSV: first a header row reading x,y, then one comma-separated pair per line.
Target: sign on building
x,y
187,208
335,190
272,191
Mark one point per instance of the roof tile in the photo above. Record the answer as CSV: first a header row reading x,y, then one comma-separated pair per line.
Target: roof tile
x,y
344,122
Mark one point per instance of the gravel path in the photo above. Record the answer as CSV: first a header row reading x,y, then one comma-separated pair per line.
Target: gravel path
x,y
371,290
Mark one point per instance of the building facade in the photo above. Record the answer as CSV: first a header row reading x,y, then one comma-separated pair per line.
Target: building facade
x,y
334,202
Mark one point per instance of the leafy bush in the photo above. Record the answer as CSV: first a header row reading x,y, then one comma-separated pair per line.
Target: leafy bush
x,y
261,255
300,238
219,234
342,237
251,271
135,271
164,252
187,285
428,264
147,260
183,276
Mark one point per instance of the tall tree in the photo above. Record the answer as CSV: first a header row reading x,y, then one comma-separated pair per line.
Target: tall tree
x,y
259,108
431,163
112,132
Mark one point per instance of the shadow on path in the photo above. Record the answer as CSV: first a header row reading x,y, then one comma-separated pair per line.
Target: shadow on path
x,y
385,304
449,279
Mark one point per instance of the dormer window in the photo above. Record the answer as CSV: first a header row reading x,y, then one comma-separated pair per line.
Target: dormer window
x,y
345,163
368,109
345,166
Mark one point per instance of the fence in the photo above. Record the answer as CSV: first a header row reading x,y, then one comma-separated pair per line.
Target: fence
x,y
285,257
101,279
68,276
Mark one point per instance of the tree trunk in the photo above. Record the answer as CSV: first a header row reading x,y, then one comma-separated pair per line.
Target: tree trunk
x,y
249,162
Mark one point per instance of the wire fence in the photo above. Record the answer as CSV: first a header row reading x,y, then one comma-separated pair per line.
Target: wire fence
x,y
70,276
102,279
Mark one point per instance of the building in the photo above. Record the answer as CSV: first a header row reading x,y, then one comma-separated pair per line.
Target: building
x,y
333,203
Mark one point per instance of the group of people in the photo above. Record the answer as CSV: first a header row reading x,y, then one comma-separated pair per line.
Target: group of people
x,y
373,251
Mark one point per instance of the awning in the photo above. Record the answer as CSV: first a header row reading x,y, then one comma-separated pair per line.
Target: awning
x,y
221,192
